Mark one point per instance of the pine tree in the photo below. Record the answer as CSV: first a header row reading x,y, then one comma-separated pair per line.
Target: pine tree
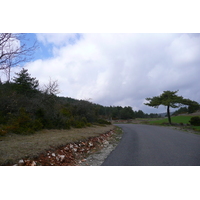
x,y
24,83
169,99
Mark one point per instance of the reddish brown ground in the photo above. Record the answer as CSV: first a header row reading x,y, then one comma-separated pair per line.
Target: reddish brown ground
x,y
69,155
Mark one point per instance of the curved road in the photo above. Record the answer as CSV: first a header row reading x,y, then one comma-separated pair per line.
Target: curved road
x,y
145,145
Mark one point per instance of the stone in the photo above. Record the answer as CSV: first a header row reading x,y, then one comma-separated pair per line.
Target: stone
x,y
21,162
90,144
62,157
33,163
75,149
105,142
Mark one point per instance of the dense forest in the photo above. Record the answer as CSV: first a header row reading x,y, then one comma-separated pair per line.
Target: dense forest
x,y
25,108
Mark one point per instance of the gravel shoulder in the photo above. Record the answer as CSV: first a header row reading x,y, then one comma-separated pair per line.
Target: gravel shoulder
x,y
98,157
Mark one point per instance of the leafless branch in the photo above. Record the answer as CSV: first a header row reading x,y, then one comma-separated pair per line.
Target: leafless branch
x,y
11,53
52,87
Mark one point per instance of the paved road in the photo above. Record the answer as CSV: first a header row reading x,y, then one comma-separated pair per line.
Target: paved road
x,y
145,145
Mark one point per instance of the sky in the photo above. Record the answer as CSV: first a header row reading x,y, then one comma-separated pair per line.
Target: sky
x,y
114,69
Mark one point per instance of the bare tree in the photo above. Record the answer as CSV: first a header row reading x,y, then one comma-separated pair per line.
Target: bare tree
x,y
52,87
14,50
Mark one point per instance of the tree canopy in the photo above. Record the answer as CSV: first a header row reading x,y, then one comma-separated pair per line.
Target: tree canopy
x,y
25,83
169,99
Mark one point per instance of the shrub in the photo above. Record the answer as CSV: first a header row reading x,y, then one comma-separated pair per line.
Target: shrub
x,y
89,124
195,121
79,124
103,121
23,124
3,131
37,125
67,124
2,118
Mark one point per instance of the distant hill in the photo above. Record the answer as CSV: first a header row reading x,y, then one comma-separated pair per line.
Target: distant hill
x,y
192,114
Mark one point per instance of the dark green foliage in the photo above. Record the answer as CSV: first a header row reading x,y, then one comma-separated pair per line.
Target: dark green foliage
x,y
78,122
2,118
25,109
127,113
181,110
24,84
140,114
152,115
169,99
3,130
103,121
23,123
193,107
195,121
117,112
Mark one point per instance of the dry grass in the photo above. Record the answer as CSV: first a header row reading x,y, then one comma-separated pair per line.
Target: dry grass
x,y
14,147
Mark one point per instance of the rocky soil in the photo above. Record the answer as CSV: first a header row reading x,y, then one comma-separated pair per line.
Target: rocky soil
x,y
91,152
98,157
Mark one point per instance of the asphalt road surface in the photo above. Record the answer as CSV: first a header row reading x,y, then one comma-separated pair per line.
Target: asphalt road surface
x,y
146,145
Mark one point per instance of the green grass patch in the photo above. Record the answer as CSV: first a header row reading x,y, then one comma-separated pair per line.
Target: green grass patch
x,y
175,119
196,128
118,130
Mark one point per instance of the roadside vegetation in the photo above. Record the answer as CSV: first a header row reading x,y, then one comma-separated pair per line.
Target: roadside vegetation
x,y
14,147
171,100
26,108
184,121
34,119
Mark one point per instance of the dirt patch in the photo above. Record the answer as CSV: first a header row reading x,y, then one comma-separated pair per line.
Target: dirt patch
x,y
133,121
14,147
186,129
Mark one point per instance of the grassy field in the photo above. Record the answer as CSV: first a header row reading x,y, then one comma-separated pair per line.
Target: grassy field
x,y
14,147
176,119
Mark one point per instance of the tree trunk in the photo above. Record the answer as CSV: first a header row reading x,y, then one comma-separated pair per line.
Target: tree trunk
x,y
168,114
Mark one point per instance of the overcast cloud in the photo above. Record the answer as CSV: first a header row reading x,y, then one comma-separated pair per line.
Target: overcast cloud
x,y
121,69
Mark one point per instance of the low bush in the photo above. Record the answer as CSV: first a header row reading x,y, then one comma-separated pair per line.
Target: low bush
x,y
78,122
3,131
195,121
23,124
103,121
89,124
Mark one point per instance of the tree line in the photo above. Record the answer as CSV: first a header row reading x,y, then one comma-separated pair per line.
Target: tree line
x,y
25,108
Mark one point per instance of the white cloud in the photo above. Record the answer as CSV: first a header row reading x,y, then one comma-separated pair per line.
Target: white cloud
x,y
122,69
58,39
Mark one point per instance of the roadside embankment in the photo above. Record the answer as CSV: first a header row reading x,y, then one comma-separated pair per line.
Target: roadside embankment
x,y
29,147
